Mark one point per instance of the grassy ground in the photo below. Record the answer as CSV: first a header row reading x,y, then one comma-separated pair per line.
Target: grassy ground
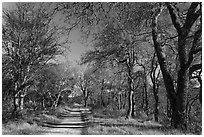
x,y
22,128
110,123
120,126
30,124
103,124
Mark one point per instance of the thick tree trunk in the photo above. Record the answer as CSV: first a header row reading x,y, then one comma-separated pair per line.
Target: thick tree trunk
x,y
176,98
185,57
178,111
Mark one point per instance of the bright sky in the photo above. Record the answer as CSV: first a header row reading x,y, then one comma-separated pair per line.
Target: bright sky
x,y
76,47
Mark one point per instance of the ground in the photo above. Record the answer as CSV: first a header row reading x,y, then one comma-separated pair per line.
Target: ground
x,y
99,125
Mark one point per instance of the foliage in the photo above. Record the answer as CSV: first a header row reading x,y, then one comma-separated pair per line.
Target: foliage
x,y
29,42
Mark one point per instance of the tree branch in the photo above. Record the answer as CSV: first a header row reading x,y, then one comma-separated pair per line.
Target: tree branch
x,y
168,80
174,17
192,15
194,68
193,49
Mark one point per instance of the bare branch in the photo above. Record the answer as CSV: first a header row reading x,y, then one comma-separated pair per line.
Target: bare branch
x,y
174,17
192,16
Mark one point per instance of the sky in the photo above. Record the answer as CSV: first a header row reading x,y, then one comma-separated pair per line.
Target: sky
x,y
76,48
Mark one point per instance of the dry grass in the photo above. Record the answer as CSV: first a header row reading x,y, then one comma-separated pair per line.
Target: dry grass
x,y
22,128
120,126
104,123
29,125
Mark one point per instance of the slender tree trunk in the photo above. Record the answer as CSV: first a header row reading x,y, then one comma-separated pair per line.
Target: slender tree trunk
x,y
130,94
156,109
21,101
146,97
200,91
85,101
133,107
119,101
156,98
56,102
43,103
168,108
155,82
22,98
143,99
16,103
130,105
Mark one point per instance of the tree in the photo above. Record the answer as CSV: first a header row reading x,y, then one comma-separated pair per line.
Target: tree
x,y
189,30
29,42
84,82
154,75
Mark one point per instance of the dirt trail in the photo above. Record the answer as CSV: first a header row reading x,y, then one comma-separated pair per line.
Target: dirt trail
x,y
74,121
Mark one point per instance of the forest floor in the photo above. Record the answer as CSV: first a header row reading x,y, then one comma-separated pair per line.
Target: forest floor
x,y
101,125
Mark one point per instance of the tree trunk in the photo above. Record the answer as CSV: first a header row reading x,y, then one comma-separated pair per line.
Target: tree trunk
x,y
85,101
200,91
168,108
133,107
156,98
156,110
176,98
56,102
155,82
130,105
119,101
178,111
43,103
21,101
16,103
22,95
131,90
146,97
185,57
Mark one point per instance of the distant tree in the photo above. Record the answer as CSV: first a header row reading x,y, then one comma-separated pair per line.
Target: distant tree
x,y
84,82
